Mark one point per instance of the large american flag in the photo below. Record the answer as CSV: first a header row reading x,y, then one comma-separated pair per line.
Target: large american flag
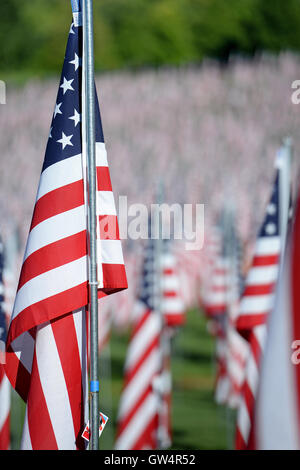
x,y
256,304
4,383
46,345
139,403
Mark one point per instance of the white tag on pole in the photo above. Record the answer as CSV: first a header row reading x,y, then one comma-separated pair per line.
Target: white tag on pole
x,y
102,422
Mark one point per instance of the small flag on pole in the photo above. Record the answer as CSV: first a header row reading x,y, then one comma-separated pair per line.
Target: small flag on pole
x,y
277,412
138,408
256,304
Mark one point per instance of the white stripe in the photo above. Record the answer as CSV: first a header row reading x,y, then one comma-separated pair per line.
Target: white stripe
x,y
56,228
138,424
266,246
256,304
101,155
51,283
106,203
217,298
261,335
140,381
111,251
141,341
79,318
262,275
167,261
252,374
60,174
26,440
169,283
172,305
4,400
220,280
54,388
244,423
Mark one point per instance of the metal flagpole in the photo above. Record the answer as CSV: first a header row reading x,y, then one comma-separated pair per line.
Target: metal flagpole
x,y
88,42
158,309
228,224
284,164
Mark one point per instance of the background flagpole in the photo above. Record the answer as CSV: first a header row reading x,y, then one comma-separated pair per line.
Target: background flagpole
x,y
88,42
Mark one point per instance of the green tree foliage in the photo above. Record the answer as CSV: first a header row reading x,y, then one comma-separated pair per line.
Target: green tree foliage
x,y
135,33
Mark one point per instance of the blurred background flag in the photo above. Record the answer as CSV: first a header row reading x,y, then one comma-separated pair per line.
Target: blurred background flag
x,y
172,302
277,413
256,303
4,383
138,408
46,345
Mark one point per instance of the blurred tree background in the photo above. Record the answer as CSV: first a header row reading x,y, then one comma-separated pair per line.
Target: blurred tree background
x,y
142,33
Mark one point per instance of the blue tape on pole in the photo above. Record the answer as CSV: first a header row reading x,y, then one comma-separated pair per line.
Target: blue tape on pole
x,y
75,5
94,387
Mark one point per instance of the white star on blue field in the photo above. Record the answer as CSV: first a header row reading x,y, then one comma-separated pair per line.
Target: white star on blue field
x,y
65,130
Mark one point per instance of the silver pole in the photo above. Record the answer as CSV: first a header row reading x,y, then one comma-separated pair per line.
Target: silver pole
x,y
159,312
284,164
91,165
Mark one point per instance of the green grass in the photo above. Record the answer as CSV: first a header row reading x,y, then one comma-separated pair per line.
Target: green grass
x,y
198,423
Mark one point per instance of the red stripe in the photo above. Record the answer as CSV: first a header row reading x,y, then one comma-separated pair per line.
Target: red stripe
x,y
267,260
130,374
174,319
53,255
148,440
39,423
17,374
103,179
122,425
142,320
263,289
168,271
114,278
219,288
109,227
48,309
245,323
240,444
5,434
57,201
255,348
220,272
170,294
71,366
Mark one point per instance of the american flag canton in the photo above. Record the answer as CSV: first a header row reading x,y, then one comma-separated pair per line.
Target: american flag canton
x,y
65,138
147,287
270,227
258,296
3,329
